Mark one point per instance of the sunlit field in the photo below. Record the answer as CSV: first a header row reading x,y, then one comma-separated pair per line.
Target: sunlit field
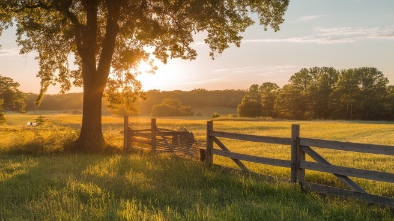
x,y
39,182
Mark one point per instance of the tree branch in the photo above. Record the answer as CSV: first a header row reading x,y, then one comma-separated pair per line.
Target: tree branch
x,y
39,4
111,31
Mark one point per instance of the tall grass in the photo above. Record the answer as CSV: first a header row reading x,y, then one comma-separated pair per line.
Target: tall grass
x,y
37,140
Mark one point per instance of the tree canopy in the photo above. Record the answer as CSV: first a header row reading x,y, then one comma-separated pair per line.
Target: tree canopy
x,y
105,36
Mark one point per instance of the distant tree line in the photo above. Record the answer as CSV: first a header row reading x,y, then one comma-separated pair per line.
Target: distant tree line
x,y
314,93
170,107
194,98
323,93
55,101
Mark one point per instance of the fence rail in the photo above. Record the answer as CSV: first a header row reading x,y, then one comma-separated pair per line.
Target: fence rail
x,y
299,148
253,138
347,146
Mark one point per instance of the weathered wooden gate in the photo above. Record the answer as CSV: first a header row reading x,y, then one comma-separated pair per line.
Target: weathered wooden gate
x,y
163,140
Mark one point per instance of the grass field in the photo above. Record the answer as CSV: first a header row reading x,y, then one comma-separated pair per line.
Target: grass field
x,y
38,182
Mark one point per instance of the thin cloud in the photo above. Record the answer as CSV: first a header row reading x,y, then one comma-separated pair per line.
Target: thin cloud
x,y
304,39
222,70
306,18
216,79
269,70
212,80
261,70
360,32
336,35
9,52
310,17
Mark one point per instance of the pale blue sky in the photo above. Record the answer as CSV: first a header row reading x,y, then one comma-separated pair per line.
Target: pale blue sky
x,y
334,33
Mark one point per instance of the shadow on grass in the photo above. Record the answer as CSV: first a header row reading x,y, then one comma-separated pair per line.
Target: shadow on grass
x,y
155,187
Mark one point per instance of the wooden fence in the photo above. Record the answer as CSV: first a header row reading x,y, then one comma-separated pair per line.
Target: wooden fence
x,y
161,139
299,148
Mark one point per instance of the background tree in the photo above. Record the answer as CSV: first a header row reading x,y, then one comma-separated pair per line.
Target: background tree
x,y
2,118
290,103
122,92
11,98
251,103
345,97
316,84
389,104
326,78
373,86
360,93
104,34
303,84
269,92
194,98
171,107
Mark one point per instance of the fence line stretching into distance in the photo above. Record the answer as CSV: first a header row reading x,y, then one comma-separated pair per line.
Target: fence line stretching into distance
x,y
299,148
156,137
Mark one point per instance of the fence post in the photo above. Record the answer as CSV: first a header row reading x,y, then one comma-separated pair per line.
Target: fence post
x,y
209,143
125,133
300,157
295,145
153,134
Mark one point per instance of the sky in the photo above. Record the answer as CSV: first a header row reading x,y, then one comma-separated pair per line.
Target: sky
x,y
316,33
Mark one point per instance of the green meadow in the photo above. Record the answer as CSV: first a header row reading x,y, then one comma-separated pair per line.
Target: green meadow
x,y
38,181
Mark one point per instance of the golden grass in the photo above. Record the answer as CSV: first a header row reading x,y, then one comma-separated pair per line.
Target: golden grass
x,y
359,132
165,187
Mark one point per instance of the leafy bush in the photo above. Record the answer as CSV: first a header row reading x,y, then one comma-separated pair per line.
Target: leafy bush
x,y
215,115
170,108
40,120
249,108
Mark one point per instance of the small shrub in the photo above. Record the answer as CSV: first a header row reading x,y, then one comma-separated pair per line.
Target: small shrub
x,y
215,115
2,118
40,120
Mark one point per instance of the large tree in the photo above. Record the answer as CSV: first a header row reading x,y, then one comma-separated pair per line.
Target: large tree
x,y
113,35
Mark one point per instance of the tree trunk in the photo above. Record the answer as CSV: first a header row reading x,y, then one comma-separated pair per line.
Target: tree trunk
x,y
91,138
95,74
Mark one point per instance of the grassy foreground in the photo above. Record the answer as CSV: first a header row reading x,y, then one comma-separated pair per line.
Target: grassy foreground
x,y
39,182
161,187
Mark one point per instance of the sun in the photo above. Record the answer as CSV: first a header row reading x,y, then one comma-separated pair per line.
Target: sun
x,y
166,77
